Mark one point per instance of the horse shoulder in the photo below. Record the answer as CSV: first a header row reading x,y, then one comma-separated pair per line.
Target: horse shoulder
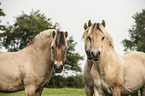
x,y
113,72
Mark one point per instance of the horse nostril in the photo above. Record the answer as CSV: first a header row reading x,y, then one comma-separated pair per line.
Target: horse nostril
x,y
92,54
95,55
88,53
98,54
54,66
61,67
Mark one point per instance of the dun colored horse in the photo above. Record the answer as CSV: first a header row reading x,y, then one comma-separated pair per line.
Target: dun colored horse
x,y
107,73
31,68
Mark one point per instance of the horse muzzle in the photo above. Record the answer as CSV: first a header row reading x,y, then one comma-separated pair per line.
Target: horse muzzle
x,y
58,67
96,55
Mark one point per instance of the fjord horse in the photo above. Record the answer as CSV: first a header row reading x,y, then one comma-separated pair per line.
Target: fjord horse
x,y
31,67
107,73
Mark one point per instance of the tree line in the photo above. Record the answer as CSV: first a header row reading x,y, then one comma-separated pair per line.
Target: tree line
x,y
66,82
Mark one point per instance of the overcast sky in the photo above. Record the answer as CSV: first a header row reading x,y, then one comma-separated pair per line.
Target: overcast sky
x,y
72,14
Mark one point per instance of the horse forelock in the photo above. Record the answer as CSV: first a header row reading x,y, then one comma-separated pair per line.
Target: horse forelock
x,y
93,28
60,39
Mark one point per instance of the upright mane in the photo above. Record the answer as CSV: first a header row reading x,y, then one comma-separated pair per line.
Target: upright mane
x,y
107,35
42,35
98,26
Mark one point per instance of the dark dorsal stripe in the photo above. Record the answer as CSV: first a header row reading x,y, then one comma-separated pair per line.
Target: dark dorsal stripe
x,y
60,39
99,27
96,25
93,26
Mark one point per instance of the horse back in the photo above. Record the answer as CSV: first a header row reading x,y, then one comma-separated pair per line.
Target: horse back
x,y
134,55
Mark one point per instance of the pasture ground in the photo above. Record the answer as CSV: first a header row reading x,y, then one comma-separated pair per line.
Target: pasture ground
x,y
52,92
55,92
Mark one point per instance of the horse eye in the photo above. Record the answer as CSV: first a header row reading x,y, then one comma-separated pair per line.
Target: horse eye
x,y
103,38
52,47
89,38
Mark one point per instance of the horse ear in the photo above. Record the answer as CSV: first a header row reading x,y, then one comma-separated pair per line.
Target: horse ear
x,y
53,34
103,23
66,34
89,23
85,26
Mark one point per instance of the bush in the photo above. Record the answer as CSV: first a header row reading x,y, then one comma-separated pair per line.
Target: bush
x,y
75,81
62,82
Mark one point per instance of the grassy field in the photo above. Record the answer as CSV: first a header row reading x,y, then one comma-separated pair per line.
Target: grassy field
x,y
52,92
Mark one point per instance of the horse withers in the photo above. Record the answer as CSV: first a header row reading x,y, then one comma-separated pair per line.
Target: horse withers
x,y
31,68
107,73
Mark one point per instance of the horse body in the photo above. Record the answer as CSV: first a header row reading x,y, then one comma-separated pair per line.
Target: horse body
x,y
119,72
111,73
29,68
134,73
23,68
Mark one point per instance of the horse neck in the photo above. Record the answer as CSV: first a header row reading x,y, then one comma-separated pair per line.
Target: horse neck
x,y
107,58
108,51
43,50
89,64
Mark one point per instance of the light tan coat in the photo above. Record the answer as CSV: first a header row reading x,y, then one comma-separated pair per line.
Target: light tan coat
x,y
110,73
30,68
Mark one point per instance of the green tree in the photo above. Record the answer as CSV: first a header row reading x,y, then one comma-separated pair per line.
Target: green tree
x,y
72,57
1,11
137,34
15,37
69,82
1,14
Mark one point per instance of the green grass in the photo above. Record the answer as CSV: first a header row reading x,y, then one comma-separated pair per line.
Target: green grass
x,y
52,92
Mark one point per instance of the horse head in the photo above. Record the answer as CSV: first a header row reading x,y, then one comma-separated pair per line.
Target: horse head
x,y
58,49
94,40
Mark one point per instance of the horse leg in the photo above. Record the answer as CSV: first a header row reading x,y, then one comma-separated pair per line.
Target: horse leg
x,y
89,90
100,92
143,91
135,94
116,91
39,92
96,91
30,90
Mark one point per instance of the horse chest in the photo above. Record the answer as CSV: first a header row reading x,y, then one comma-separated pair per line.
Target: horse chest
x,y
105,86
105,81
102,84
